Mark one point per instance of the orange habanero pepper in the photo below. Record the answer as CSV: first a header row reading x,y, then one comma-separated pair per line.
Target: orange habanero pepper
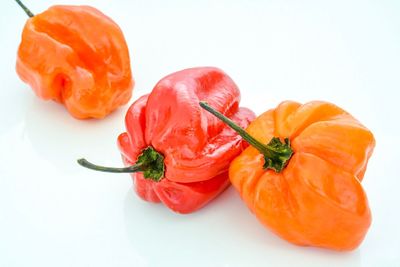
x,y
306,189
77,56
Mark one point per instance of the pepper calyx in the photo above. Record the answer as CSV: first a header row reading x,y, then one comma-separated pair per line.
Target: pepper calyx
x,y
152,164
282,154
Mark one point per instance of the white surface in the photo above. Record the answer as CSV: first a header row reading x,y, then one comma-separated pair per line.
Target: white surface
x,y
54,213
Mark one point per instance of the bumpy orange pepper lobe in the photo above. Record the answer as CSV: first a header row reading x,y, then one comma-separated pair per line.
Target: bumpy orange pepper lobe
x,y
317,200
77,56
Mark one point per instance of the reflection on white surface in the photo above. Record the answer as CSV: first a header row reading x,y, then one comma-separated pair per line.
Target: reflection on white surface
x,y
59,138
159,235
55,213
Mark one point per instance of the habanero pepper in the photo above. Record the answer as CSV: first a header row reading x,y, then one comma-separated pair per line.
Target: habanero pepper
x,y
178,153
77,56
307,188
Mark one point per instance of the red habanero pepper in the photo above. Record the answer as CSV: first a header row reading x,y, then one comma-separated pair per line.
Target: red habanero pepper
x,y
76,56
178,153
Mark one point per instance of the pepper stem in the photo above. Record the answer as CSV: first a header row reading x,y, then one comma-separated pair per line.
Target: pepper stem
x,y
27,11
130,169
150,162
276,154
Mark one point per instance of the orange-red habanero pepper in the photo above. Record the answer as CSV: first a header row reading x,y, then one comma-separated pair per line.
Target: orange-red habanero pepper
x,y
305,183
77,56
178,153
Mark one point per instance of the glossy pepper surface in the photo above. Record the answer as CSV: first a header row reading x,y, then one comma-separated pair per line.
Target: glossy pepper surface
x,y
77,56
180,154
308,189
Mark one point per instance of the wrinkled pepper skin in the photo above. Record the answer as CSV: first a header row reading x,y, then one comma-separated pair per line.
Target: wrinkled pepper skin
x,y
317,200
77,56
197,147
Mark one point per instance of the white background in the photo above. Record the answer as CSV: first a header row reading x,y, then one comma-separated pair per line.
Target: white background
x,y
55,213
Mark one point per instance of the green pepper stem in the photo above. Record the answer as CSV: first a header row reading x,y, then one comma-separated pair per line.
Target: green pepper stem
x,y
134,168
27,11
276,153
149,162
250,139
